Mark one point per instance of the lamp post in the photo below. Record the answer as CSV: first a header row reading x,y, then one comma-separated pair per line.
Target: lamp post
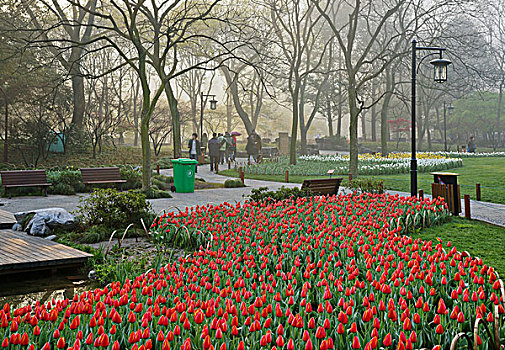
x,y
6,145
213,105
449,108
440,75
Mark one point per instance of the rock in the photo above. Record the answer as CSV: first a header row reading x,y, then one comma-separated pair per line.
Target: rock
x,y
17,227
51,238
92,275
46,219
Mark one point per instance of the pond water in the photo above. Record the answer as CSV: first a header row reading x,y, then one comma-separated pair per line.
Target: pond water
x,y
24,289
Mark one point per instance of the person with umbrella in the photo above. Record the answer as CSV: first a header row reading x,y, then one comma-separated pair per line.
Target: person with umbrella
x,y
234,135
229,145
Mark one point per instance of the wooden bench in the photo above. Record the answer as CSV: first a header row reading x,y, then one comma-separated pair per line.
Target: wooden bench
x,y
97,176
24,178
323,186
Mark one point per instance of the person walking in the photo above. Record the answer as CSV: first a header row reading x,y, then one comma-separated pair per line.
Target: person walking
x,y
252,151
222,148
257,144
214,152
194,149
471,145
205,140
229,147
234,148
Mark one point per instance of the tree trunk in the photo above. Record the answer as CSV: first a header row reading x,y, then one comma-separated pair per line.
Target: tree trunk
x,y
353,127
303,128
363,124
294,125
329,116
373,119
146,145
498,115
233,88
385,110
228,111
176,121
136,116
194,101
78,99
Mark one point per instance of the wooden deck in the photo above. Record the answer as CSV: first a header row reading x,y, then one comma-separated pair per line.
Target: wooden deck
x,y
20,252
6,219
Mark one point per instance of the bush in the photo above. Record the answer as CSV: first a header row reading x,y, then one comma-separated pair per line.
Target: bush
x,y
164,163
262,194
61,188
155,193
362,185
111,208
133,177
232,183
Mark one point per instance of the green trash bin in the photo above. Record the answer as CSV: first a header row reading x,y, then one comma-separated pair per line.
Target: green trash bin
x,y
184,175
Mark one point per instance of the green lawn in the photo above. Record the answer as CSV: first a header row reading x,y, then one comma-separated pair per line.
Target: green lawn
x,y
479,239
489,172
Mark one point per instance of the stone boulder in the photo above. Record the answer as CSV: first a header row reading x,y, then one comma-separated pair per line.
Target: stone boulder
x,y
44,220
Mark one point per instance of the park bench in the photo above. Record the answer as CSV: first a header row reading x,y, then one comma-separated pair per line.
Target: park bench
x,y
24,178
322,186
98,176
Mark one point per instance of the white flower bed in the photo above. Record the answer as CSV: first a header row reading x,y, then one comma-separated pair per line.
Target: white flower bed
x,y
367,165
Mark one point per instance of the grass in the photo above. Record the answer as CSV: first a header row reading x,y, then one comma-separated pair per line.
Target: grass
x,y
480,239
489,172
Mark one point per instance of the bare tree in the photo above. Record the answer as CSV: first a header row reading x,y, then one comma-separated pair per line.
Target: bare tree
x,y
77,24
151,33
358,60
302,42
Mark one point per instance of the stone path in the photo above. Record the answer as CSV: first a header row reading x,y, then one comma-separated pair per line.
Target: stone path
x,y
488,212
179,200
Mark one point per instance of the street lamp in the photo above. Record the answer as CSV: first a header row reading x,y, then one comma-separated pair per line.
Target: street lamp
x,y
6,145
440,75
213,105
449,108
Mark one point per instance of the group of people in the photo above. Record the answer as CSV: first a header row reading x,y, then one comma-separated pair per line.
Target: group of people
x,y
221,147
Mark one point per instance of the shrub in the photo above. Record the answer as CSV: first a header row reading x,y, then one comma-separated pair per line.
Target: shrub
x,y
111,208
133,177
65,181
61,188
232,183
262,194
164,163
155,193
362,185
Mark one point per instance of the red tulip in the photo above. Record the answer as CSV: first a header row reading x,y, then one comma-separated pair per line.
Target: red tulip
x,y
387,340
320,333
61,343
355,343
308,345
441,309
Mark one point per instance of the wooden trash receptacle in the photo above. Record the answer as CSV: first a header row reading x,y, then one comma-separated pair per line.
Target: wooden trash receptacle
x,y
446,186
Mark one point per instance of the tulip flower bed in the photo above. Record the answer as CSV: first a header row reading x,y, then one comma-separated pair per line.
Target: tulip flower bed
x,y
312,273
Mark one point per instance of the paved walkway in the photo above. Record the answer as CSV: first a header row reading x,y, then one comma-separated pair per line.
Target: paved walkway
x,y
488,212
179,200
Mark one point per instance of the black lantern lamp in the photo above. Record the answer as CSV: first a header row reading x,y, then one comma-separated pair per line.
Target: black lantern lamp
x,y
440,65
213,103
